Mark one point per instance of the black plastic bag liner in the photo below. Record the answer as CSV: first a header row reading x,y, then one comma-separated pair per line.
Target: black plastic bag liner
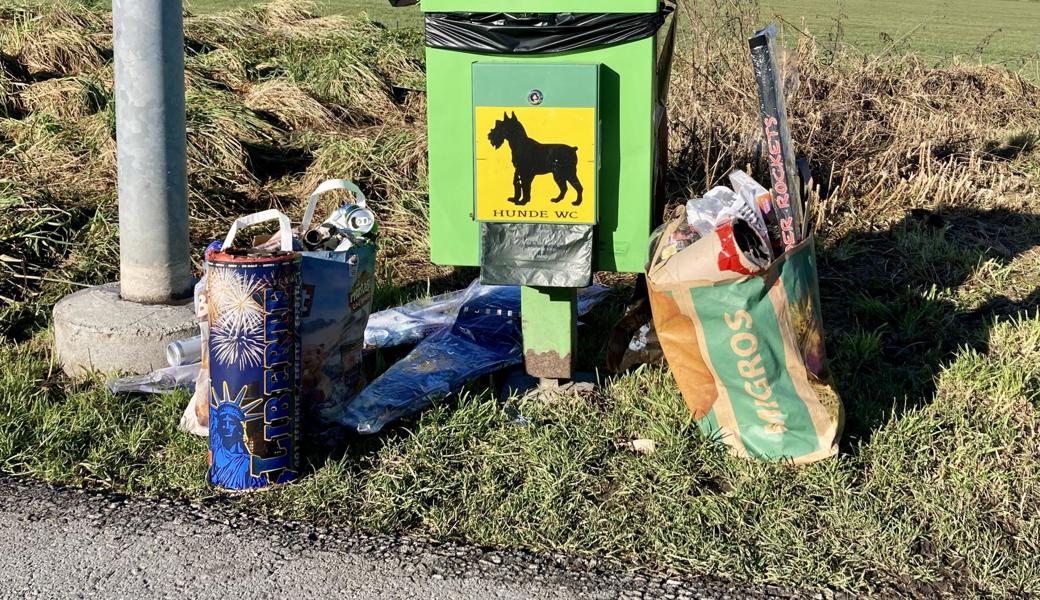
x,y
536,254
529,33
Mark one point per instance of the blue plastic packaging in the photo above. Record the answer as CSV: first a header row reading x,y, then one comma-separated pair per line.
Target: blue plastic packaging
x,y
486,337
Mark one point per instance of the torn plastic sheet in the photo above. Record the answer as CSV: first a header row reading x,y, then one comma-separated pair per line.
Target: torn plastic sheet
x,y
413,322
531,33
486,337
536,254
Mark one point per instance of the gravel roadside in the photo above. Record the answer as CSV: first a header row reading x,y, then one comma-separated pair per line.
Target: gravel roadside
x,y
71,543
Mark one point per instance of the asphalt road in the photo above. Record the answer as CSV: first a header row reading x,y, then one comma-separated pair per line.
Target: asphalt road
x,y
62,543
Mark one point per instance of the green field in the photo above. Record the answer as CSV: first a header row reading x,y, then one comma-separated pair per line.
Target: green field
x,y
993,31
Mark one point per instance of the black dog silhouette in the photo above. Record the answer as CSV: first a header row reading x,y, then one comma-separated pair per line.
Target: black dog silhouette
x,y
531,159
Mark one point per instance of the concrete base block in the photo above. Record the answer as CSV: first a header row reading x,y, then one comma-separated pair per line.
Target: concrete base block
x,y
97,331
519,384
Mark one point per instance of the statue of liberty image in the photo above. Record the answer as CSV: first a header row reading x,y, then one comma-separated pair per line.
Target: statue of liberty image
x,y
230,459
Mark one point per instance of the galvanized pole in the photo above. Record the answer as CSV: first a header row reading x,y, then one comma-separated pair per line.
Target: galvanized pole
x,y
154,259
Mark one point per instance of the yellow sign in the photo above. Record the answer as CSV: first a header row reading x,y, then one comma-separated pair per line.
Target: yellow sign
x,y
536,165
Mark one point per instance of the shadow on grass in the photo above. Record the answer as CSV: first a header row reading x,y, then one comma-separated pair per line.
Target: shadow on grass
x,y
388,295
899,303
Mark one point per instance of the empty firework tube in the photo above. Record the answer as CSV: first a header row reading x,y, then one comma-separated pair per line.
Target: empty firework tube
x,y
253,301
773,112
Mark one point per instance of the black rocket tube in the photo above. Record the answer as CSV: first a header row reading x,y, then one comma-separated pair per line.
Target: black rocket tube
x,y
783,172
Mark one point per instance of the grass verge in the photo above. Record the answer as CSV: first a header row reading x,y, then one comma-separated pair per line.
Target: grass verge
x,y
941,500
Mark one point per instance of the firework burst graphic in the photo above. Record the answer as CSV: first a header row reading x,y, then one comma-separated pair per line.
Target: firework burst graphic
x,y
233,299
234,344
237,316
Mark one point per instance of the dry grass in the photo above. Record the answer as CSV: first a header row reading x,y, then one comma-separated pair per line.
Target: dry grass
x,y
267,116
294,108
69,159
280,13
69,14
65,97
9,105
390,165
225,30
338,76
882,134
219,128
390,160
46,51
223,67
321,27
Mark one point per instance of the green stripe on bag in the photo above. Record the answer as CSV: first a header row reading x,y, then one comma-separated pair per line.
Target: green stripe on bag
x,y
746,348
709,426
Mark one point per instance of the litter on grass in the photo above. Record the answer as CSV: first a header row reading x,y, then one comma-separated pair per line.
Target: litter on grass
x,y
736,304
415,321
484,338
336,291
732,288
735,298
253,296
743,337
184,352
163,380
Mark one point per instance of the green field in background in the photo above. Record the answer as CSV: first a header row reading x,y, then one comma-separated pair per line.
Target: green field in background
x,y
993,31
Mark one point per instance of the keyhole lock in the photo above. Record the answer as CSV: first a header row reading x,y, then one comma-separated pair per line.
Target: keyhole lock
x,y
535,97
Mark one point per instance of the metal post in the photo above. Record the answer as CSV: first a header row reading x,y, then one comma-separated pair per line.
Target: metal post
x,y
549,321
154,259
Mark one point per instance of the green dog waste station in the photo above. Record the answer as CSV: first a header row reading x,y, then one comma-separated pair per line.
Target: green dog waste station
x,y
546,149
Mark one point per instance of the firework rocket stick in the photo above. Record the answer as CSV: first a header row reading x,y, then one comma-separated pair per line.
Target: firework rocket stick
x,y
788,215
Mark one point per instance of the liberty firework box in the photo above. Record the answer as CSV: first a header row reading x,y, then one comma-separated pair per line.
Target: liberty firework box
x,y
253,304
746,348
